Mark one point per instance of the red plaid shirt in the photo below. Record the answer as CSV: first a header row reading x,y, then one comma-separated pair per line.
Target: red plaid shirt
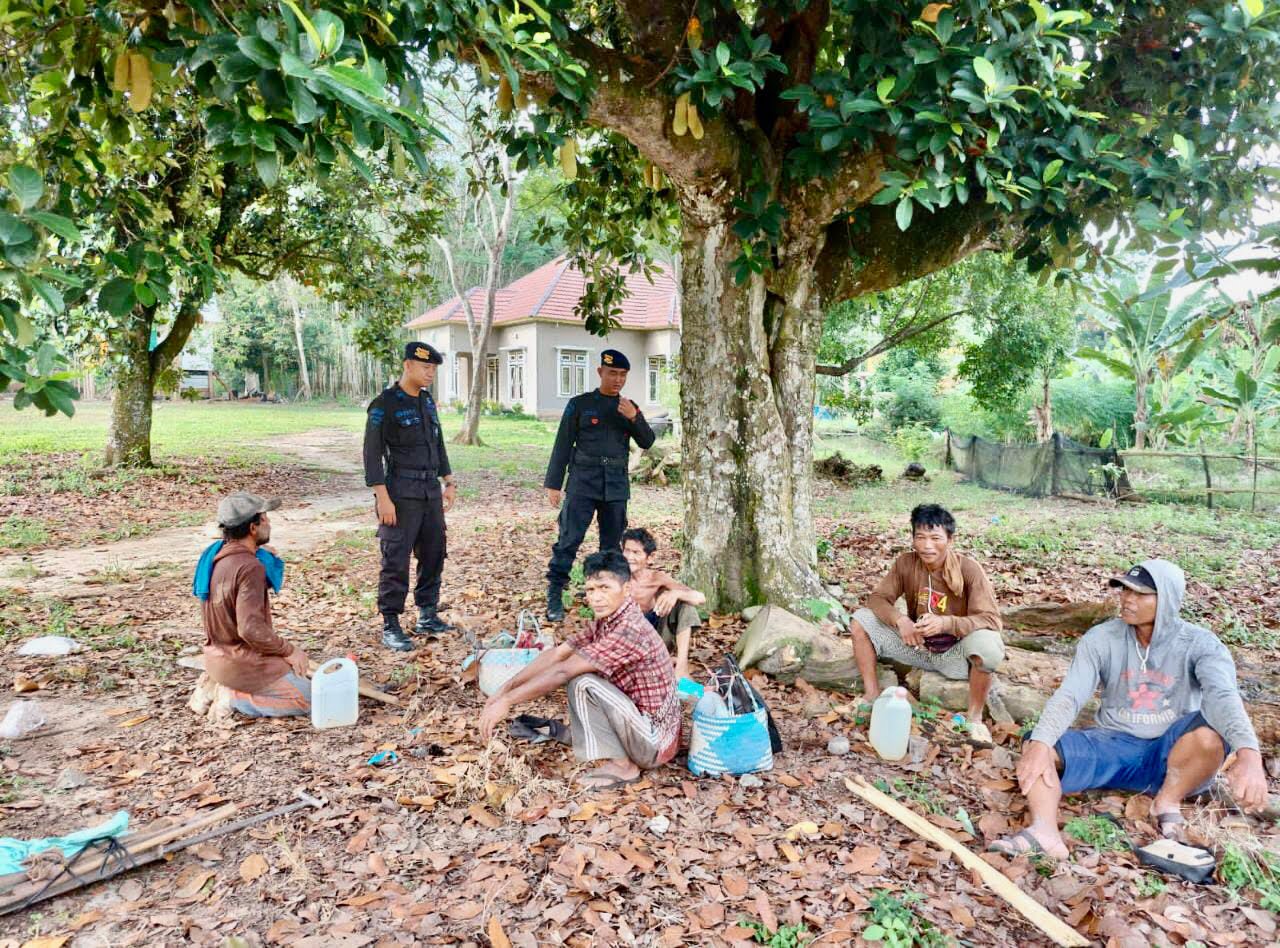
x,y
626,650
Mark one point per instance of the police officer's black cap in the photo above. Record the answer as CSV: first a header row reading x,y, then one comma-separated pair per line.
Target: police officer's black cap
x,y
421,352
613,359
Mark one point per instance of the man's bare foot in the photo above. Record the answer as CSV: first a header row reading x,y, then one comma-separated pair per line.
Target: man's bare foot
x,y
614,773
1028,841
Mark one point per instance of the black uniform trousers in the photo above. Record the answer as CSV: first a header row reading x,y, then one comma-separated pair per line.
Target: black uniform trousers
x,y
419,530
576,513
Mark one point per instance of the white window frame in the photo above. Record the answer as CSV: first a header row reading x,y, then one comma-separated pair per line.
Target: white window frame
x,y
515,360
655,368
492,379
575,360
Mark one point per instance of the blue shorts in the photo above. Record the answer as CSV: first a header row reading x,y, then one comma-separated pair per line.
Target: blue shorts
x,y
1100,758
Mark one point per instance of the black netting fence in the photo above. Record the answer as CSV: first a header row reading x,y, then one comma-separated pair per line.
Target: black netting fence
x,y
1059,467
1063,468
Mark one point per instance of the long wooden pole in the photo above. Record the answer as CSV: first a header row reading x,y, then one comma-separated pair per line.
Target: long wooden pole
x,y
1039,916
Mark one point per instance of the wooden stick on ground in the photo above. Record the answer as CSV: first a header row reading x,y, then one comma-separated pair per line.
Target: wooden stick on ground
x,y
1058,930
143,842
368,691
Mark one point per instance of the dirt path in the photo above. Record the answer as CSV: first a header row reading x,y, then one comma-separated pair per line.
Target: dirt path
x,y
80,571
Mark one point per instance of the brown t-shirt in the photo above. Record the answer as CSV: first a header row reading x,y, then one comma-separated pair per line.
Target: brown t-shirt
x,y
959,590
241,649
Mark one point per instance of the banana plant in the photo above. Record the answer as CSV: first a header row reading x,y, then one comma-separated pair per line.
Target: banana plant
x,y
1248,391
1151,337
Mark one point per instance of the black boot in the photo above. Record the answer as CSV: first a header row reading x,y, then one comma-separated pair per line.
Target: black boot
x,y
555,604
429,623
393,636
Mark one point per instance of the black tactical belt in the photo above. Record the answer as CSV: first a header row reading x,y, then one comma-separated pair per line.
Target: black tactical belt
x,y
416,475
591,459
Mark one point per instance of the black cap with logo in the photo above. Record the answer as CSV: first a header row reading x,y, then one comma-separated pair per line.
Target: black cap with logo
x,y
421,352
1137,579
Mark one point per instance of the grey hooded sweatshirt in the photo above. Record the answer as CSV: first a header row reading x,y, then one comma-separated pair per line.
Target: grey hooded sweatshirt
x,y
1187,669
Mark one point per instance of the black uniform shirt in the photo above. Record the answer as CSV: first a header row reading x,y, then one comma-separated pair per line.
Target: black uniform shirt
x,y
593,443
402,439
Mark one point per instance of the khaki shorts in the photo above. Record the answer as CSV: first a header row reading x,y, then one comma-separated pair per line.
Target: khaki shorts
x,y
986,644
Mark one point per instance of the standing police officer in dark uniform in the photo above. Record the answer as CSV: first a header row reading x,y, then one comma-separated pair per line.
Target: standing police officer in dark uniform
x,y
405,462
594,444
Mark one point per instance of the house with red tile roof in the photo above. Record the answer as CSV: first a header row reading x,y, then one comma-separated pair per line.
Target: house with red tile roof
x,y
540,355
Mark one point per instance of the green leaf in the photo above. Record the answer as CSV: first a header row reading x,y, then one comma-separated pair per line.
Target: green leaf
x,y
331,31
1105,441
268,165
259,50
24,332
49,293
116,297
60,225
884,87
985,71
1051,170
1182,147
306,25
1253,8
873,933
12,230
238,68
27,186
723,54
903,213
1042,14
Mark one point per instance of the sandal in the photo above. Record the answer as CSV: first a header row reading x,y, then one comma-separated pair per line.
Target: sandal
x,y
1009,845
596,782
1171,825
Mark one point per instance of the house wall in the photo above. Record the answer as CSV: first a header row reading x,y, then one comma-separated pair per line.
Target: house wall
x,y
636,345
541,343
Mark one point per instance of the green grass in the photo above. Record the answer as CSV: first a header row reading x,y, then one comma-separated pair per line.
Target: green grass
x,y
18,533
1102,834
241,431
1257,873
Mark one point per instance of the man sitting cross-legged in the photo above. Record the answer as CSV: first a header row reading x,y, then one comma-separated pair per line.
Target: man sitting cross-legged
x,y
1170,715
623,706
670,606
951,625
266,675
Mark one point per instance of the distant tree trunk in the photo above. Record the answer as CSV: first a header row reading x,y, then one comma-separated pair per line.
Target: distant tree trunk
x,y
292,289
480,328
1141,381
1042,414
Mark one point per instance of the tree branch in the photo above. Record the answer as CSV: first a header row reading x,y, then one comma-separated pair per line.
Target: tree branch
x,y
868,252
891,341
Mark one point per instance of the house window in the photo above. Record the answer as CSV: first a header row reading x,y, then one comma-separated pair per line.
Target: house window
x,y
515,377
491,378
573,372
657,371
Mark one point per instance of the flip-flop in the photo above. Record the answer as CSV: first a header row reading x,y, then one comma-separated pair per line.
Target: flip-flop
x,y
536,730
1006,847
594,783
980,732
1170,825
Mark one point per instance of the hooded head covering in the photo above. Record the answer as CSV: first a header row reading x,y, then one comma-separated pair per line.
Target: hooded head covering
x,y
1171,589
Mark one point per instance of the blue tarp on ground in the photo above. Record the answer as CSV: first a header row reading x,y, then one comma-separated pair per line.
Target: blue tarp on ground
x,y
14,852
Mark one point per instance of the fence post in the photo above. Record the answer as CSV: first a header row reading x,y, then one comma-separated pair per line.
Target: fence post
x,y
1056,479
947,460
1208,482
1253,498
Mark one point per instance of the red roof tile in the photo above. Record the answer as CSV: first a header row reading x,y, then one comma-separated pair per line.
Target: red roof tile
x,y
552,291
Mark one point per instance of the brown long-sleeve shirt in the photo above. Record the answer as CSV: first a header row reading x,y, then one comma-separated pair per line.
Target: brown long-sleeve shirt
x,y
241,649
960,591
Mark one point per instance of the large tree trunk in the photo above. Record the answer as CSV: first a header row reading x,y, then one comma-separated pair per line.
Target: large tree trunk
x,y
129,436
747,414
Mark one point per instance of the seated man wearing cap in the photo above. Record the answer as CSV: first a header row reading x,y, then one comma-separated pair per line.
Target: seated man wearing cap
x,y
266,675
1171,714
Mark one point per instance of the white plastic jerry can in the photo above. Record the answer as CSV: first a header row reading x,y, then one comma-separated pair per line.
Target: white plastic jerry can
x,y
891,724
335,694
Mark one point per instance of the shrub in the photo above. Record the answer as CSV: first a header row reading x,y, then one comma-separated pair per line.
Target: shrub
x,y
914,402
912,441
